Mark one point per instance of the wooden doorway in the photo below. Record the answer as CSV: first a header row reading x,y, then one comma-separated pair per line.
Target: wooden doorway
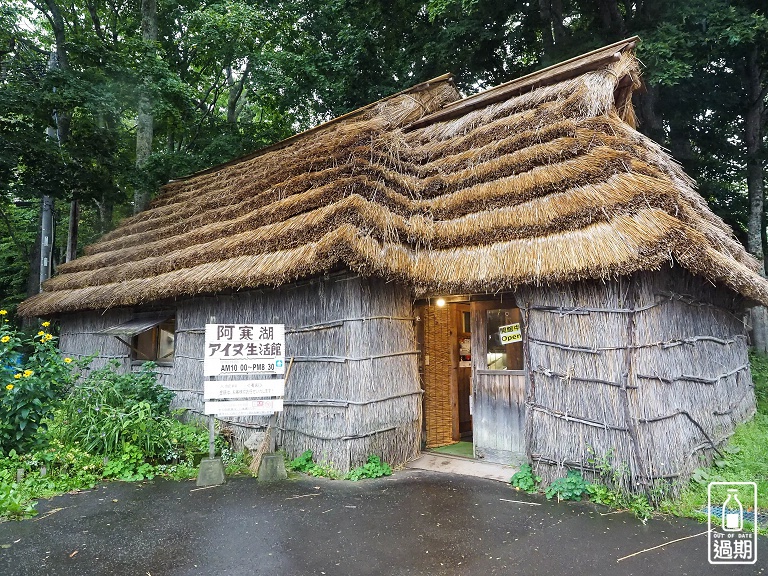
x,y
463,367
445,340
473,376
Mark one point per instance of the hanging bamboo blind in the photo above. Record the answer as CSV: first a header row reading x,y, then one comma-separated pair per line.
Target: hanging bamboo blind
x,y
438,411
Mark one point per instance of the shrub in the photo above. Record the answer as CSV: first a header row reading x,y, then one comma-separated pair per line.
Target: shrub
x,y
108,411
569,488
130,465
30,385
306,464
302,463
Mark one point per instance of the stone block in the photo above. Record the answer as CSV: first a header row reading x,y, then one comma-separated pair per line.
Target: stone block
x,y
272,468
211,472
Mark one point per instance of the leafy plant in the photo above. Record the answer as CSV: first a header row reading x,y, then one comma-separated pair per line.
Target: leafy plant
x,y
524,479
373,468
572,487
109,410
14,503
31,385
129,465
302,463
306,464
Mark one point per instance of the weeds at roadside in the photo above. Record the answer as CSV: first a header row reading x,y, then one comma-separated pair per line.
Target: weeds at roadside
x,y
373,468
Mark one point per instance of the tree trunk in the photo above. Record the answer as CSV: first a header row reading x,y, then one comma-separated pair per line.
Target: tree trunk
x,y
649,121
753,138
106,210
72,230
62,117
33,279
548,38
613,23
235,92
145,120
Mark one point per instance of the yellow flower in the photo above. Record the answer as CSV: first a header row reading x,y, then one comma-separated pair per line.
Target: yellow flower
x,y
47,337
9,387
67,360
28,373
45,324
17,376
3,312
5,339
41,333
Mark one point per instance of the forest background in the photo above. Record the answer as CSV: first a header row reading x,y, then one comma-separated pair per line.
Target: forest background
x,y
103,101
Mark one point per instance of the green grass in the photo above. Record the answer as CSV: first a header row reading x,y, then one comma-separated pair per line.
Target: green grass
x,y
745,457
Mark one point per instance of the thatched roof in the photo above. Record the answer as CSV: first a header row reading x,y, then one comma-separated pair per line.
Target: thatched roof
x,y
540,180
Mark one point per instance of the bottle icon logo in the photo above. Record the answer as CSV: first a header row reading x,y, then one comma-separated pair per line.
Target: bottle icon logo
x,y
732,522
732,512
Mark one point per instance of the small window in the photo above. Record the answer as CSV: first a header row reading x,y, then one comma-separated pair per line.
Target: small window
x,y
156,344
504,336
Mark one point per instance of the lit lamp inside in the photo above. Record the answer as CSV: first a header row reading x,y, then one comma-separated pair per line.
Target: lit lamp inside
x,y
440,302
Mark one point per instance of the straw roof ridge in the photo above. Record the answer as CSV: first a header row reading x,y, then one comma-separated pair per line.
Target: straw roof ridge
x,y
392,111
546,186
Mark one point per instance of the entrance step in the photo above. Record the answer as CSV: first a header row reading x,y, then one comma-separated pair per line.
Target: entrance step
x,y
462,466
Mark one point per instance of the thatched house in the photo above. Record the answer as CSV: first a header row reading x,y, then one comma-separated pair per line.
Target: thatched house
x,y
520,264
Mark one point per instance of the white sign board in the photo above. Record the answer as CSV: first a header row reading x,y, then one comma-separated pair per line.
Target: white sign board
x,y
244,407
244,349
221,390
510,333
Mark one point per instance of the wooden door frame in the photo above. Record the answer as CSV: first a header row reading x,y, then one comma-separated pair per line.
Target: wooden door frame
x,y
478,319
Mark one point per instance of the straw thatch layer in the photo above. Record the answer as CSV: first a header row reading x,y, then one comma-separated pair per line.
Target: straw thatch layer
x,y
546,186
646,375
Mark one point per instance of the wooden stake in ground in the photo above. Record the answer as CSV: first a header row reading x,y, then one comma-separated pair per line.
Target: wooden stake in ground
x,y
266,443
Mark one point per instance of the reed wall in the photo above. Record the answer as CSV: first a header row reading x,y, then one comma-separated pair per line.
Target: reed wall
x,y
645,375
79,338
353,389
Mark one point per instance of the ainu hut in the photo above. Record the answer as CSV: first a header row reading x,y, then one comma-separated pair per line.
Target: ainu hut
x,y
521,267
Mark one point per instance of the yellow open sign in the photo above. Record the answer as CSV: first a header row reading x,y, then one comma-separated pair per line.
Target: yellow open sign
x,y
510,333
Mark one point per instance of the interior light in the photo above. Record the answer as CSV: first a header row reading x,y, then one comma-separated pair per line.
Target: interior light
x,y
440,302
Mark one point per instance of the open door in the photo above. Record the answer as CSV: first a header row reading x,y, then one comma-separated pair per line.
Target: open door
x,y
444,337
463,361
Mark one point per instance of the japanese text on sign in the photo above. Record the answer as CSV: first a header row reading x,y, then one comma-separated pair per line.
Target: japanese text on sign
x,y
510,333
244,407
244,349
221,390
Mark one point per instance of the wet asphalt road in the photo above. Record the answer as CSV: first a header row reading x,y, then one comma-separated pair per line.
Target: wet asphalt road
x,y
411,523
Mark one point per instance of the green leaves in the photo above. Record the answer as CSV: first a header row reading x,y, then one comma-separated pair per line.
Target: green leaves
x,y
525,479
31,385
572,487
109,410
373,468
